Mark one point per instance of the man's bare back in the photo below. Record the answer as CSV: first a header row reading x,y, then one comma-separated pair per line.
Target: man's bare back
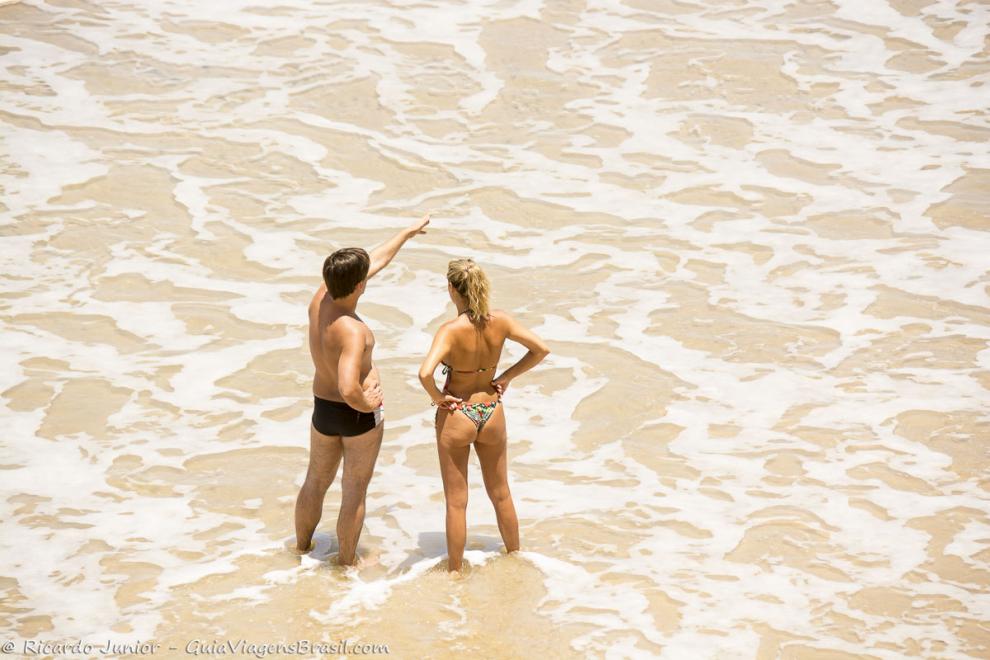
x,y
328,326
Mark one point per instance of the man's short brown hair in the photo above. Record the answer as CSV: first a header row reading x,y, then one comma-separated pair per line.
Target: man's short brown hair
x,y
344,270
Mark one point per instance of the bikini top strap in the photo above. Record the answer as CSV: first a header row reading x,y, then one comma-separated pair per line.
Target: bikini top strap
x,y
448,369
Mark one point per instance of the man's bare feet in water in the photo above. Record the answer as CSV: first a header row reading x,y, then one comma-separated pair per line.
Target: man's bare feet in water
x,y
293,547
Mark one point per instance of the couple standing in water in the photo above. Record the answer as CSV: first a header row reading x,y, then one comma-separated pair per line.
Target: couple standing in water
x,y
347,416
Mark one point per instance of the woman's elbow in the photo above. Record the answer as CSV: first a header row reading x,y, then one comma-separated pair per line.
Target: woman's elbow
x,y
542,352
425,376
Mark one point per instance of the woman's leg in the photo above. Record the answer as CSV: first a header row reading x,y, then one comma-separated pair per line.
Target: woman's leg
x,y
454,435
491,447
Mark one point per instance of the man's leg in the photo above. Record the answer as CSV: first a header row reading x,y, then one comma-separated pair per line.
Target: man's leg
x,y
360,454
324,459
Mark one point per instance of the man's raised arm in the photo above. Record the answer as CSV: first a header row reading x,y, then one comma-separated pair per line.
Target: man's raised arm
x,y
382,255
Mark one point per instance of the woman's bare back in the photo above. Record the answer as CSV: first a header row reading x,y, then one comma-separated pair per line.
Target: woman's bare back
x,y
473,356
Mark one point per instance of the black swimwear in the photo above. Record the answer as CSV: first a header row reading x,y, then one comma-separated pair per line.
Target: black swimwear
x,y
338,418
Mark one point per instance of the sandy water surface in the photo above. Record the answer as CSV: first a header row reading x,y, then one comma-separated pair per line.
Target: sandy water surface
x,y
754,233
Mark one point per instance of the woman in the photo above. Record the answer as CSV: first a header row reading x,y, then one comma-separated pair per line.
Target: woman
x,y
469,409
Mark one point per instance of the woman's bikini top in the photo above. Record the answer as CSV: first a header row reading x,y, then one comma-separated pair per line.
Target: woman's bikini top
x,y
467,407
448,369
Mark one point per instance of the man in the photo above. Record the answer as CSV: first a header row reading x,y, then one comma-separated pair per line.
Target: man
x,y
347,415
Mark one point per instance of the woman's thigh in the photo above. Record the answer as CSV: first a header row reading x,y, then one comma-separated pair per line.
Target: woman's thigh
x,y
491,448
454,429
494,431
455,433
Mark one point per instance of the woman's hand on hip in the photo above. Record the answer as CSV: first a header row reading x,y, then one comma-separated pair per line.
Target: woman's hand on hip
x,y
501,384
449,402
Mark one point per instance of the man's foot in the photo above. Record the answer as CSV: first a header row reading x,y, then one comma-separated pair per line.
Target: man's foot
x,y
339,560
294,547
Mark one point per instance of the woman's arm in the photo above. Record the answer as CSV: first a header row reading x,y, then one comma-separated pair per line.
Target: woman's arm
x,y
441,344
537,351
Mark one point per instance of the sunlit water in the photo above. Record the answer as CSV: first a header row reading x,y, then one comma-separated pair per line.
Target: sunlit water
x,y
755,235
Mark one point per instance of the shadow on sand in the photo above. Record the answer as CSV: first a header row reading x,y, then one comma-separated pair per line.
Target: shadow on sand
x,y
433,545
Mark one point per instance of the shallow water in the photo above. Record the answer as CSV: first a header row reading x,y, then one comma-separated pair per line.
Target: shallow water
x,y
753,233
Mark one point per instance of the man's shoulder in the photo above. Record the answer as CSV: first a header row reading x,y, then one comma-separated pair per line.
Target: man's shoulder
x,y
346,323
345,327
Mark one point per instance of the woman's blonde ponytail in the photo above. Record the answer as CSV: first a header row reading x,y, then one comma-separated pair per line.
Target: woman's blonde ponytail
x,y
472,284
